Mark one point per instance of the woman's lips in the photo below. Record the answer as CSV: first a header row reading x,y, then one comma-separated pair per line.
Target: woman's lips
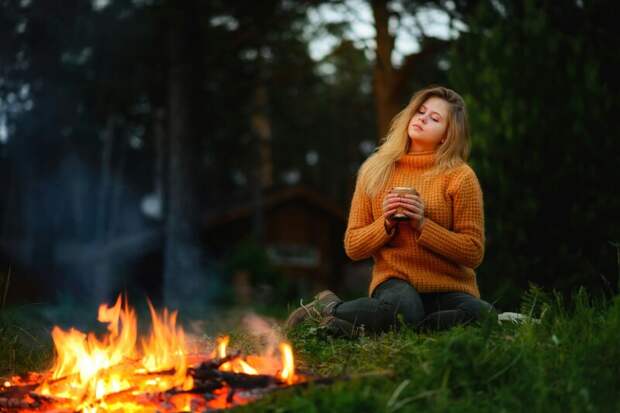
x,y
420,128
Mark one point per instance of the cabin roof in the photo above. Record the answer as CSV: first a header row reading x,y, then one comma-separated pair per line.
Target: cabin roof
x,y
272,199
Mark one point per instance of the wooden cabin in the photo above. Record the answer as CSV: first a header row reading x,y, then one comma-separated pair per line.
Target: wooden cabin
x,y
302,234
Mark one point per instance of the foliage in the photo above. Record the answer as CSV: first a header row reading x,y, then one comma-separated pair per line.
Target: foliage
x,y
332,117
91,145
540,89
83,108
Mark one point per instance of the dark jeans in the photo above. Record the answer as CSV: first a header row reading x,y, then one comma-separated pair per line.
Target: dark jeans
x,y
395,298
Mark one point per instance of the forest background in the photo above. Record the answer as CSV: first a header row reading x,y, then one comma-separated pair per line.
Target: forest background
x,y
123,119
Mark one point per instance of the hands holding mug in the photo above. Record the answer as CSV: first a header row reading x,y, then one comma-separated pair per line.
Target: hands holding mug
x,y
403,204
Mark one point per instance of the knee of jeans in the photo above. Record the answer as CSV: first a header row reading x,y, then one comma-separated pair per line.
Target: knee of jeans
x,y
409,313
477,309
391,314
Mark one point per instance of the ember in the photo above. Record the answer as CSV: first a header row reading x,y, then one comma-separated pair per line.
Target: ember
x,y
114,374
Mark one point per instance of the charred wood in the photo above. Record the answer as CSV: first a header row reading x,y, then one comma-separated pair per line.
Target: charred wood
x,y
14,403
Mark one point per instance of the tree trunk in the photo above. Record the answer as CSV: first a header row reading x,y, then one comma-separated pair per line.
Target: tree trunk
x,y
105,178
184,274
159,130
385,88
390,83
261,125
116,193
263,170
101,273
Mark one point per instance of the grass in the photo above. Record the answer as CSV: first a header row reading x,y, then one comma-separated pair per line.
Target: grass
x,y
569,362
25,343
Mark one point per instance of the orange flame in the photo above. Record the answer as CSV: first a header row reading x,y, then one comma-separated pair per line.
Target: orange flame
x,y
237,365
288,364
166,348
97,375
222,344
88,369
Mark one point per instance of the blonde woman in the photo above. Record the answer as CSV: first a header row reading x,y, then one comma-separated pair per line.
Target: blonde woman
x,y
423,273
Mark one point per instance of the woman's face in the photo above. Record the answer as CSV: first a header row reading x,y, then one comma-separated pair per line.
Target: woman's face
x,y
427,127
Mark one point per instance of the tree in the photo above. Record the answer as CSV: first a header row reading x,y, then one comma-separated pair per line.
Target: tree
x,y
540,83
392,84
185,278
83,119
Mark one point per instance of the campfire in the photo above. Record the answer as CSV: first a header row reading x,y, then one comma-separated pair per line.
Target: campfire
x,y
121,373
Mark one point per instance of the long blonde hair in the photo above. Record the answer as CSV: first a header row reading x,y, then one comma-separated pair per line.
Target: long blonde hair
x,y
453,152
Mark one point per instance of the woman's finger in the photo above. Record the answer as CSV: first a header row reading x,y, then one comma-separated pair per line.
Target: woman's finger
x,y
389,202
413,209
389,212
414,198
412,203
413,215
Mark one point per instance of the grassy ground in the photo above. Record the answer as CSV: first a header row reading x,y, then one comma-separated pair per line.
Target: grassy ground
x,y
25,342
570,361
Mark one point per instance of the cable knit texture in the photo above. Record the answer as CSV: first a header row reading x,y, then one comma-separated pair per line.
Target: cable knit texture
x,y
443,256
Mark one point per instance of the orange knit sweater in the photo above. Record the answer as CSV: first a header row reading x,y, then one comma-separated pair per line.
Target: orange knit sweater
x,y
441,257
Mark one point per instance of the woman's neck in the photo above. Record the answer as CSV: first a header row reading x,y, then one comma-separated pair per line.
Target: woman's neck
x,y
421,151
415,147
419,160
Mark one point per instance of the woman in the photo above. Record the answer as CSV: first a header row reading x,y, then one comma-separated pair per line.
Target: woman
x,y
423,270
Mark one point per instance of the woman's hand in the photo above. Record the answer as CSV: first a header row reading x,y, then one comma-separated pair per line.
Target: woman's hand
x,y
414,208
390,206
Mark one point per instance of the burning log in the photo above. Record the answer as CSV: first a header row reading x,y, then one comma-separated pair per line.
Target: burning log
x,y
125,365
17,390
207,378
112,373
230,397
249,381
119,395
14,403
207,373
168,372
42,398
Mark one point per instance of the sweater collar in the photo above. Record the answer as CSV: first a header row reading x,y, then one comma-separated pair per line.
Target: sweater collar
x,y
419,160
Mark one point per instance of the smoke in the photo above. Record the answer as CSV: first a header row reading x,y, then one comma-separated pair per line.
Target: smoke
x,y
265,331
249,333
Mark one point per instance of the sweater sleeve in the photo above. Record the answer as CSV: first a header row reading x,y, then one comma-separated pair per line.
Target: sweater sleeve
x,y
364,234
464,245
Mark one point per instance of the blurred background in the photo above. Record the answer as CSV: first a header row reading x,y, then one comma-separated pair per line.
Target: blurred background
x,y
204,153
